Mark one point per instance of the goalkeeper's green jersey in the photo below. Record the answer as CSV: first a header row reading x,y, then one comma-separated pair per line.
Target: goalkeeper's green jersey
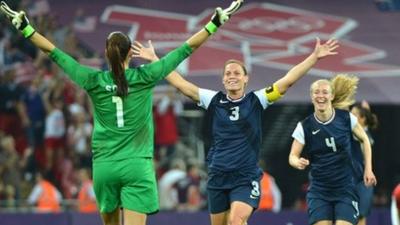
x,y
123,127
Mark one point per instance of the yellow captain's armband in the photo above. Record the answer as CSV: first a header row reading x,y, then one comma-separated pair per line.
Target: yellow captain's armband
x,y
272,93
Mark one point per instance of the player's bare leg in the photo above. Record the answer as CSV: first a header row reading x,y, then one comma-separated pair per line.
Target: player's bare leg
x,y
112,218
134,218
240,213
219,218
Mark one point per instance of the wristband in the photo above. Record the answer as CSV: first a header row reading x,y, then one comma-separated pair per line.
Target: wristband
x,y
211,28
28,31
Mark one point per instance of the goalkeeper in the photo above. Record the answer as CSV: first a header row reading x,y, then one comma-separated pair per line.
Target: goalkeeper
x,y
122,141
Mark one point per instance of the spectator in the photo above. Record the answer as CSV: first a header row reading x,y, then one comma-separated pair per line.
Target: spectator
x,y
45,195
12,53
64,173
271,197
12,109
54,127
78,137
80,103
12,165
86,196
167,191
35,111
166,129
188,189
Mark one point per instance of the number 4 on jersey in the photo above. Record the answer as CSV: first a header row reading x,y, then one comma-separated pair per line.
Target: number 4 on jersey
x,y
330,142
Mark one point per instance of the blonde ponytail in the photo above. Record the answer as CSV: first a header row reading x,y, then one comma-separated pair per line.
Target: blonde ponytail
x,y
344,88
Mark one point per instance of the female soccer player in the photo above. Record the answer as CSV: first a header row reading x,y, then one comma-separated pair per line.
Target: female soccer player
x,y
233,174
122,142
368,121
326,136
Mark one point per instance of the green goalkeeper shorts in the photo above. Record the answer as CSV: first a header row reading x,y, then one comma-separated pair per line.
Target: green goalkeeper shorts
x,y
129,183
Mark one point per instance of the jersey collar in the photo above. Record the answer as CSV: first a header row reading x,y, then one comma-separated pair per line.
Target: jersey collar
x,y
328,121
235,100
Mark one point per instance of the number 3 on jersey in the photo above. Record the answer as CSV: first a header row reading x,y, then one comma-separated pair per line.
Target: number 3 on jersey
x,y
119,110
234,113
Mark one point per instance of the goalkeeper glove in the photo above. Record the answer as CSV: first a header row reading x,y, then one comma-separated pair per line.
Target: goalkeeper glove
x,y
18,19
221,16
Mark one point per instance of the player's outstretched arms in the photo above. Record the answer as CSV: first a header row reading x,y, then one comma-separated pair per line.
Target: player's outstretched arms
x,y
21,22
174,78
295,160
298,71
219,18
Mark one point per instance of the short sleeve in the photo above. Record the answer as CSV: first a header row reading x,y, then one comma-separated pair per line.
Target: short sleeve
x,y
263,98
298,133
205,96
353,120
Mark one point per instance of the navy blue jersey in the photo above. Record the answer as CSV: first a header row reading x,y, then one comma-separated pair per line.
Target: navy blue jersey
x,y
358,158
328,146
235,130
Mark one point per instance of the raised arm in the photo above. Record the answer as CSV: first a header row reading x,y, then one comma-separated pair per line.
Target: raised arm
x,y
220,17
174,78
369,177
21,22
75,71
297,72
187,88
42,43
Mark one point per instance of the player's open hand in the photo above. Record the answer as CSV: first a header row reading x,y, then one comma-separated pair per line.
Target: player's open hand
x,y
326,49
146,53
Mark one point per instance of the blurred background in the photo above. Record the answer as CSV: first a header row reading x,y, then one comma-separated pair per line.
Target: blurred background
x,y
46,121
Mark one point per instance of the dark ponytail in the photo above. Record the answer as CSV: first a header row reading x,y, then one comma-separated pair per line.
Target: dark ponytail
x,y
371,119
117,49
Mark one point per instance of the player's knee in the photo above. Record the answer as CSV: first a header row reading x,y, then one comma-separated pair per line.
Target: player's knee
x,y
237,220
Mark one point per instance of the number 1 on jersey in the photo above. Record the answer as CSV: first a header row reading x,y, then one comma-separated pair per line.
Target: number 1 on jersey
x,y
120,110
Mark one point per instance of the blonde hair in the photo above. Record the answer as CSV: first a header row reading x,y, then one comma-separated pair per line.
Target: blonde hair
x,y
344,89
319,82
